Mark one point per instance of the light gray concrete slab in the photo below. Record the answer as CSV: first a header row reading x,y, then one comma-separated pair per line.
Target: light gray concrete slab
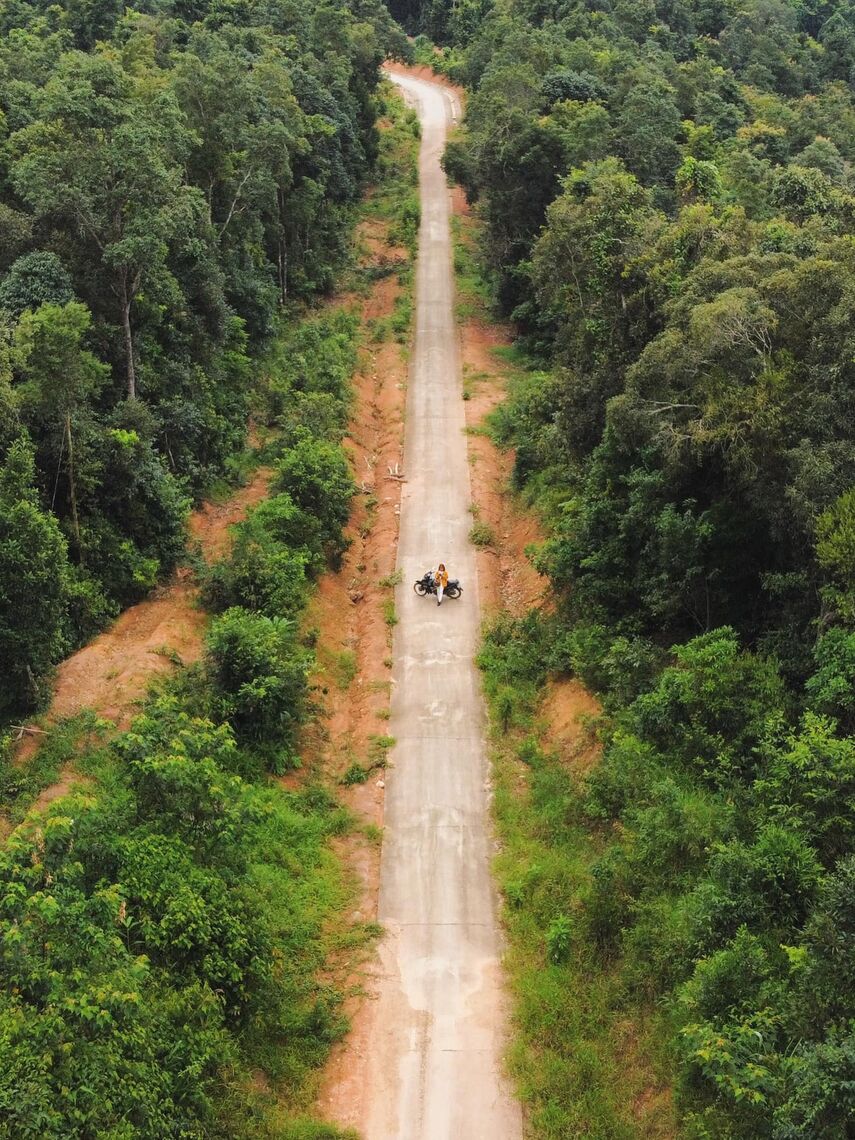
x,y
435,1067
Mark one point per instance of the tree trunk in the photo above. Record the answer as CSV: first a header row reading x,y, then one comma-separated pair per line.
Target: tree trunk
x,y
283,250
129,341
283,272
75,521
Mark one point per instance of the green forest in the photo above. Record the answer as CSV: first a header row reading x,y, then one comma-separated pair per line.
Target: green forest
x,y
667,197
179,185
172,178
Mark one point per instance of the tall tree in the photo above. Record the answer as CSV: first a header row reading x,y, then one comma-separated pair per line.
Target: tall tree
x,y
104,159
33,583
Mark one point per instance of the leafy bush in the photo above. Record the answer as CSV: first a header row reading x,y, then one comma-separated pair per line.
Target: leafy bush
x,y
258,673
711,708
558,938
819,1091
34,280
34,585
316,474
259,574
831,689
808,786
481,534
161,928
289,525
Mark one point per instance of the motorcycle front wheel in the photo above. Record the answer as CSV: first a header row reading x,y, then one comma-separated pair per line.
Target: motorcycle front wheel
x,y
420,588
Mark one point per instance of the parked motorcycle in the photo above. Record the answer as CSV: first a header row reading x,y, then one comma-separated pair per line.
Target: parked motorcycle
x,y
425,585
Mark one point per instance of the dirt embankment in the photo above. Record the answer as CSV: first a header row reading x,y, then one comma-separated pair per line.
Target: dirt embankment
x,y
506,577
111,674
351,610
353,647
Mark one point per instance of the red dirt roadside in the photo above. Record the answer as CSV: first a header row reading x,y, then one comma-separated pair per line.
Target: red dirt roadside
x,y
111,674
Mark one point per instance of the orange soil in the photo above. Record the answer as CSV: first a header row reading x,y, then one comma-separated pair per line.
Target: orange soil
x,y
348,607
566,713
422,71
348,612
506,578
111,674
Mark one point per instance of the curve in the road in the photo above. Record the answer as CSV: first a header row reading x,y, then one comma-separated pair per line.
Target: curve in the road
x,y
435,1065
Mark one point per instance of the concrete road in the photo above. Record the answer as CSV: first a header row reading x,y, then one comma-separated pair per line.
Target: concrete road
x,y
438,1024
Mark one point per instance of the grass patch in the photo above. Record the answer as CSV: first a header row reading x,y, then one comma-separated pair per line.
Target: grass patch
x,y
378,747
392,580
395,196
390,615
482,534
344,668
579,1065
474,296
21,784
356,773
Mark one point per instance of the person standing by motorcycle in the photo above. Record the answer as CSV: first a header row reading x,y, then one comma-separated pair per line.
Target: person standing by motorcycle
x,y
440,580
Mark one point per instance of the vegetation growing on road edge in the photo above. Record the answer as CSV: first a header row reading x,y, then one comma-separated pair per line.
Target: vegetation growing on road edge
x,y
394,200
667,214
580,1065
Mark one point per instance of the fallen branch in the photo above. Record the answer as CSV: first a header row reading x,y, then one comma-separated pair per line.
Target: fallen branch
x,y
20,729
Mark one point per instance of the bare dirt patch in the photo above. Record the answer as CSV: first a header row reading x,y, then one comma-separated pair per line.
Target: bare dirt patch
x,y
506,577
354,642
56,791
567,712
111,674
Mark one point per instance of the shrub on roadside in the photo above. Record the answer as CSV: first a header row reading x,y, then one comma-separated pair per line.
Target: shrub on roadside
x,y
317,476
260,574
258,675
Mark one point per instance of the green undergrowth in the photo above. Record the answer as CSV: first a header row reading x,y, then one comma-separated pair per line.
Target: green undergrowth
x,y
167,924
394,197
473,293
679,913
447,61
20,784
580,1067
173,937
394,200
171,919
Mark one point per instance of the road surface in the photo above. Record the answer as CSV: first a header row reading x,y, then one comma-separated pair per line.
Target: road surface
x,y
438,1022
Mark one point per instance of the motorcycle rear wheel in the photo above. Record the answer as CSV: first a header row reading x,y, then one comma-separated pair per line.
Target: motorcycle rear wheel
x,y
454,591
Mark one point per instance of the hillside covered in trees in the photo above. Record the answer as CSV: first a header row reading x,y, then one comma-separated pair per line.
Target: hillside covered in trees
x,y
177,183
172,175
667,193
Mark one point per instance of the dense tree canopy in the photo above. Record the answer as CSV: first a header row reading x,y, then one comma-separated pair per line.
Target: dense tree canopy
x,y
172,176
669,207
